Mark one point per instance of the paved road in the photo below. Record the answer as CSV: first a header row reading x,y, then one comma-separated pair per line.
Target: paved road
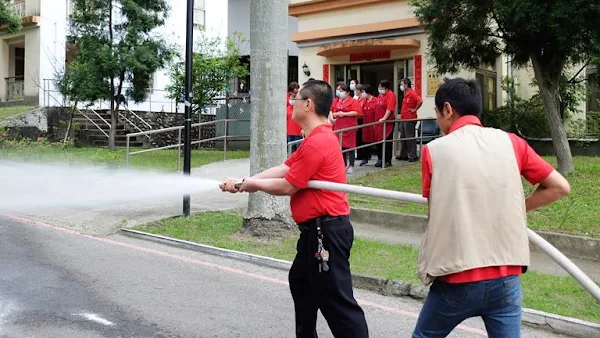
x,y
55,282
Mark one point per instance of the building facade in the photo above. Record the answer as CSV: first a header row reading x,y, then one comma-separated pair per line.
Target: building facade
x,y
30,59
373,40
34,54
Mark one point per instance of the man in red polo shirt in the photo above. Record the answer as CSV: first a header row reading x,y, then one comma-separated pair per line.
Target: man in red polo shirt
x,y
320,276
411,102
476,245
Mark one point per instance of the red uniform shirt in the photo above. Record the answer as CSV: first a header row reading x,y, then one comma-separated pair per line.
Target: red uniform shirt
x,y
343,122
410,101
385,102
320,159
368,108
361,102
293,128
532,167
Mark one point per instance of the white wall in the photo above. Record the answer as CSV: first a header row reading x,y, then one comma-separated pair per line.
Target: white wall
x,y
51,42
175,33
239,20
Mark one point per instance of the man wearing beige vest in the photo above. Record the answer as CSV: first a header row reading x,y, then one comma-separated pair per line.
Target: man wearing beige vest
x,y
476,246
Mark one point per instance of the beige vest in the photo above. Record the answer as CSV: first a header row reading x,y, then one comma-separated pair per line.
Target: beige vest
x,y
477,205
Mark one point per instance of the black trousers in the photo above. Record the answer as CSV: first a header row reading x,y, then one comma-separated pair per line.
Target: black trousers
x,y
409,147
388,149
361,153
349,156
331,291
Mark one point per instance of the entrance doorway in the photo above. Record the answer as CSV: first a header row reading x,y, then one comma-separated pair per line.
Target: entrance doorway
x,y
374,73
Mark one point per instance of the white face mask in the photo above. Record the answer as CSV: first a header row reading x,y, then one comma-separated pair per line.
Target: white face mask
x,y
363,95
292,102
352,85
342,95
402,88
381,91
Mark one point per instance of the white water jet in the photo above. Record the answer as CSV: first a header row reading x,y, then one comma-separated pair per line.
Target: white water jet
x,y
28,186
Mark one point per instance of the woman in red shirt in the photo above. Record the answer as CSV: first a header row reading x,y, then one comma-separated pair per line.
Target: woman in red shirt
x,y
369,105
294,130
344,112
385,111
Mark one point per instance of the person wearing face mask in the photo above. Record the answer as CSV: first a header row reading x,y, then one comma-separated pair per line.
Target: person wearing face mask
x,y
344,114
386,105
294,131
360,95
353,84
410,105
368,106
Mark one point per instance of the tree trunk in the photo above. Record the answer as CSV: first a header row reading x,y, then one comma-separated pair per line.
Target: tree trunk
x,y
268,215
550,97
69,126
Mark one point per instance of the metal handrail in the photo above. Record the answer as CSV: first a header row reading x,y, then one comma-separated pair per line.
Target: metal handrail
x,y
179,144
99,116
385,123
131,123
80,112
584,280
138,117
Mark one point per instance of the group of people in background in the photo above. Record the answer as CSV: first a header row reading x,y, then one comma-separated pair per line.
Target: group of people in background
x,y
357,104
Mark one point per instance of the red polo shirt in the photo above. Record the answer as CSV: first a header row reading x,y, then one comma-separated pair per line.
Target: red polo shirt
x,y
532,167
320,159
410,101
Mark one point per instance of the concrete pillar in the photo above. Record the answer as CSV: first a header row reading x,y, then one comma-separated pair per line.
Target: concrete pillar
x,y
4,69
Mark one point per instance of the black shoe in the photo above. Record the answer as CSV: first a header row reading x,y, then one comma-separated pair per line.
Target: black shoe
x,y
401,158
415,159
378,164
388,164
363,163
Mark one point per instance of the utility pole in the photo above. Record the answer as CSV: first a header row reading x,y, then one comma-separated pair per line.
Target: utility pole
x,y
187,127
268,79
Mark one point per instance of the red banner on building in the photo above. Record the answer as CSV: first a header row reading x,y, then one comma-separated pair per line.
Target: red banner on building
x,y
418,62
326,73
385,54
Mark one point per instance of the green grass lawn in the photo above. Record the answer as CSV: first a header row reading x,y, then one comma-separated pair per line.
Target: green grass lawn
x,y
157,160
559,295
7,112
578,213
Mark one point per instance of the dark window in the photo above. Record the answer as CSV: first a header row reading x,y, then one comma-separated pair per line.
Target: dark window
x,y
593,97
487,84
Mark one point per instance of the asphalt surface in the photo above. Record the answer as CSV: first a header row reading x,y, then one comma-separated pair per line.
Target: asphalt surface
x,y
56,282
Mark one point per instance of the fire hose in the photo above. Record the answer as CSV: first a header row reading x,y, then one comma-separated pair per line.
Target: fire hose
x,y
588,284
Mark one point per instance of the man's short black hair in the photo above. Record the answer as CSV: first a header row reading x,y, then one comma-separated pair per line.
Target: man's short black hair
x,y
463,95
407,82
320,93
385,84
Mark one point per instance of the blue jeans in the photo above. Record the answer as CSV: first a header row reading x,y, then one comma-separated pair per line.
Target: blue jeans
x,y
292,139
497,301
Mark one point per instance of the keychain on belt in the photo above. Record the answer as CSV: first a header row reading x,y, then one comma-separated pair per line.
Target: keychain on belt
x,y
321,255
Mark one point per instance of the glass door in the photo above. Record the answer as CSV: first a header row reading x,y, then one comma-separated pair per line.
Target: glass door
x,y
353,74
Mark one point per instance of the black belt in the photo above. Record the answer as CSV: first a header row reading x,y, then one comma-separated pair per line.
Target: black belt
x,y
311,224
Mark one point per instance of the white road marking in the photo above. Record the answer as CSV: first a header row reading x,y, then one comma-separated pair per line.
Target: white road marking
x,y
95,318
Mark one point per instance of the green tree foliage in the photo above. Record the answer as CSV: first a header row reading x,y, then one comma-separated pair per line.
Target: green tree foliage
x,y
118,51
216,63
9,18
550,35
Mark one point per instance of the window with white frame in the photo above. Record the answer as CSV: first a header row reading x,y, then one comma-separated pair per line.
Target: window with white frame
x,y
593,90
199,15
